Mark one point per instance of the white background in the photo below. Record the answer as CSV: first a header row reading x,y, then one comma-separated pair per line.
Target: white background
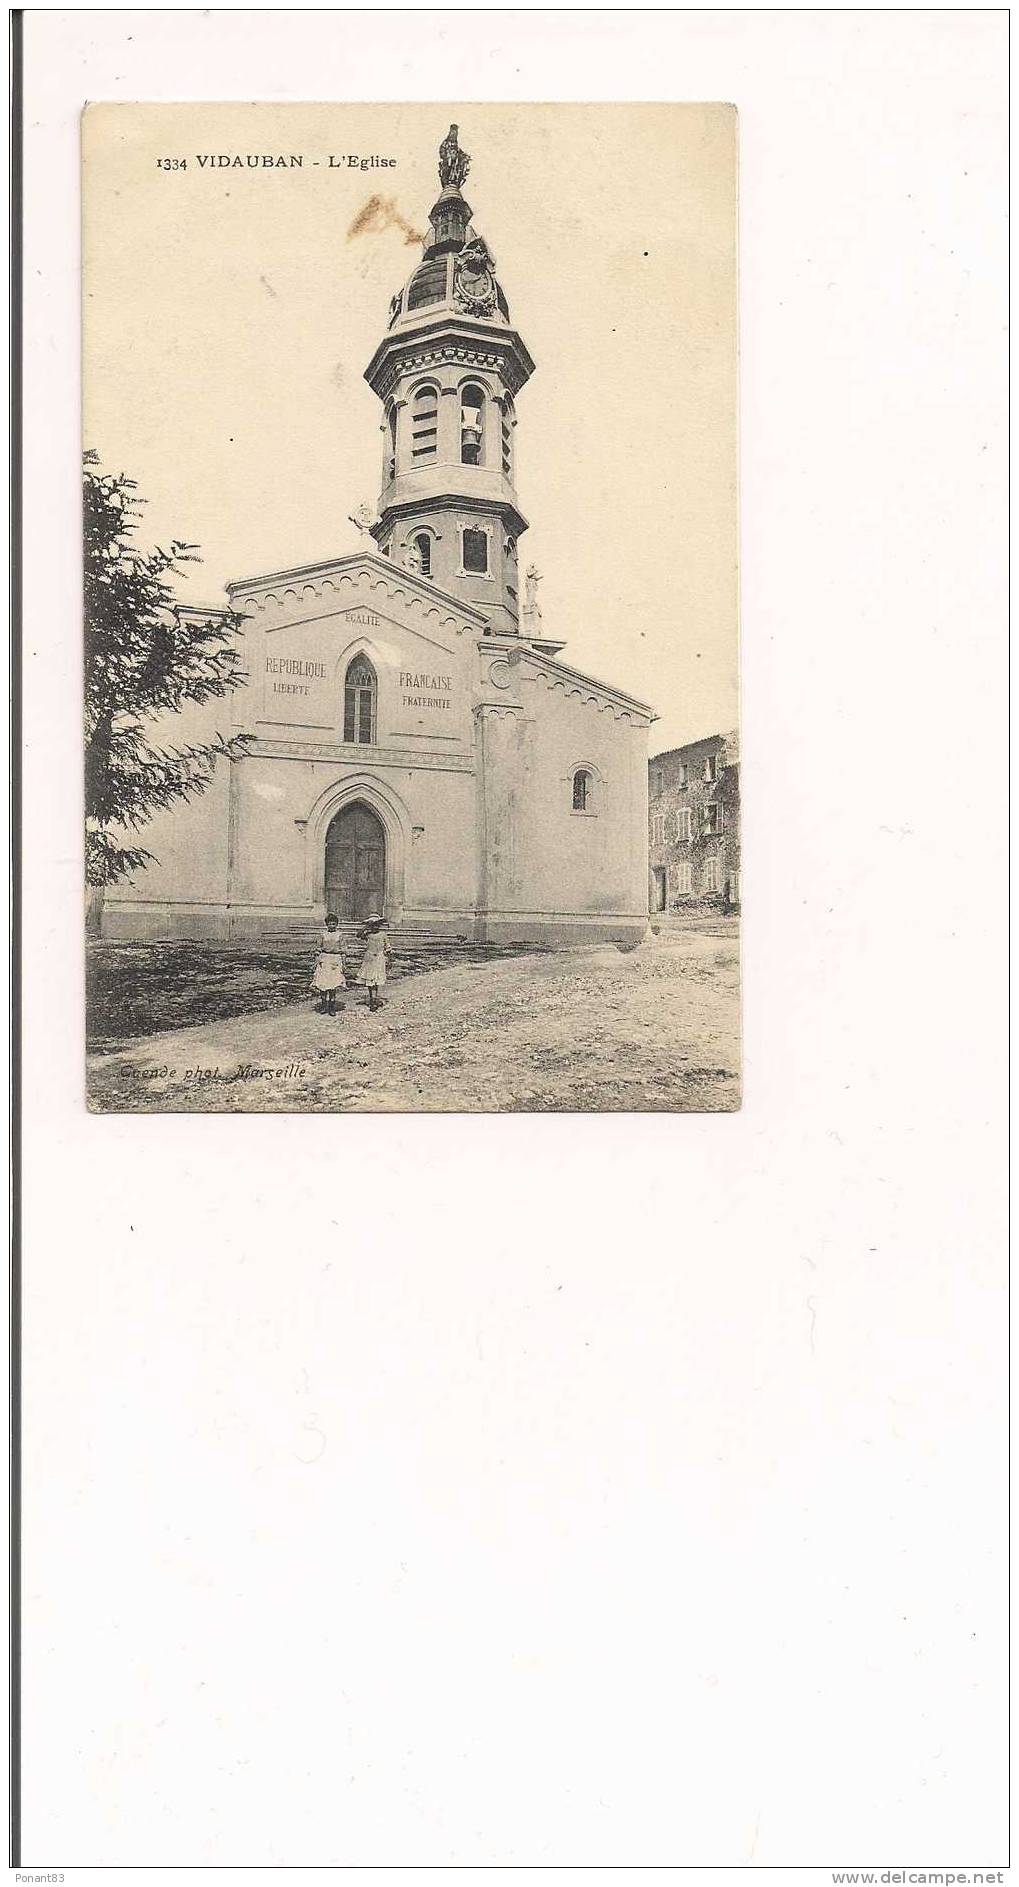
x,y
554,1490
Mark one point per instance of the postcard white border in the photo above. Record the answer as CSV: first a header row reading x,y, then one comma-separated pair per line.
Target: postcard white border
x,y
827,1503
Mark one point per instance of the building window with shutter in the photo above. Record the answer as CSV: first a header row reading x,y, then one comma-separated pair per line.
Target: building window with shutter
x,y
711,766
424,425
657,782
658,828
506,411
712,818
713,873
359,702
684,773
510,554
681,878
684,825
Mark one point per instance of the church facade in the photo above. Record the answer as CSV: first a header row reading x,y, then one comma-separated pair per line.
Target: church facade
x,y
418,747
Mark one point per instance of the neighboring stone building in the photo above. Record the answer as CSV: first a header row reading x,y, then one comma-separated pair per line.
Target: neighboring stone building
x,y
418,746
693,820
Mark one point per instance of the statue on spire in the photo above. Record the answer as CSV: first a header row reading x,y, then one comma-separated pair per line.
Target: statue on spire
x,y
453,162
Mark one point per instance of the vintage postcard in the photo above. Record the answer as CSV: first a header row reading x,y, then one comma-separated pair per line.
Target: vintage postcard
x,y
411,644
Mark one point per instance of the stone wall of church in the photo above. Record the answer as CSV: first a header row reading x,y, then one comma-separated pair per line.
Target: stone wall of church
x,y
248,858
183,891
283,809
553,869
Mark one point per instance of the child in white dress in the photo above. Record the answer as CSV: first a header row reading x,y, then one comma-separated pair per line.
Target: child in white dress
x,y
328,976
373,970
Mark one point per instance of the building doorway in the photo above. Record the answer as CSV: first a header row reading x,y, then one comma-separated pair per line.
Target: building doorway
x,y
355,865
658,887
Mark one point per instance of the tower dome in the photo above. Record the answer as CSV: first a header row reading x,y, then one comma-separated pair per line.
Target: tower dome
x,y
450,279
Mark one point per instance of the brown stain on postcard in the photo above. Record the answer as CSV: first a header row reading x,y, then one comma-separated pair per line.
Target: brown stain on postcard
x,y
380,214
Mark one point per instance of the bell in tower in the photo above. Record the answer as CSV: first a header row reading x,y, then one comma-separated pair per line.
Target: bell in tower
x,y
447,373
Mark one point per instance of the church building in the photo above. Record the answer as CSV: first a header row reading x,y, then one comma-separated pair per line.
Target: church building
x,y
419,748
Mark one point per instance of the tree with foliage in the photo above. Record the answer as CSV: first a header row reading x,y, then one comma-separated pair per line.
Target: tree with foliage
x,y
144,656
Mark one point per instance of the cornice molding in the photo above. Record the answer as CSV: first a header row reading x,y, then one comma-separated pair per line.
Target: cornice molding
x,y
194,612
595,694
454,501
269,747
402,354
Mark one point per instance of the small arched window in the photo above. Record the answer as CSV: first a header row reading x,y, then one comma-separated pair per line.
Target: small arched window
x,y
391,449
359,702
424,424
581,790
472,425
423,545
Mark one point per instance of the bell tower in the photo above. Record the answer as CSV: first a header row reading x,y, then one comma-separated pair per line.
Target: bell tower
x,y
448,373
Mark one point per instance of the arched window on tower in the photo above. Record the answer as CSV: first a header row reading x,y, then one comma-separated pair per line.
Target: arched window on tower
x,y
581,790
423,545
391,450
359,702
506,409
472,425
424,425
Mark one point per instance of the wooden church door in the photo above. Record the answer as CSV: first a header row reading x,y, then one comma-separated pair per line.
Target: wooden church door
x,y
356,865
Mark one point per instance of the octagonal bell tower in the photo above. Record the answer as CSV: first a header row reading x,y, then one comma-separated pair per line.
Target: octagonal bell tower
x,y
448,373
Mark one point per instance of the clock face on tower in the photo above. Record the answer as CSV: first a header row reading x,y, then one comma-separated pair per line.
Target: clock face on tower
x,y
474,279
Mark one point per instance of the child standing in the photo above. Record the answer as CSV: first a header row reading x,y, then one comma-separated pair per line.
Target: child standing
x,y
328,976
373,970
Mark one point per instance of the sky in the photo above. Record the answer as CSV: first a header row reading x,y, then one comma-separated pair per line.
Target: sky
x,y
229,314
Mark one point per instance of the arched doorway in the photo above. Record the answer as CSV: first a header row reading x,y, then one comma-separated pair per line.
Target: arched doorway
x,y
356,864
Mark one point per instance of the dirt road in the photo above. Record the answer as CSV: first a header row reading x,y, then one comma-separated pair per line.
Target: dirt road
x,y
596,1029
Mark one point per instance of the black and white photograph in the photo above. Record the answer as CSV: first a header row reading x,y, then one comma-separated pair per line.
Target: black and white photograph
x,y
415,816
